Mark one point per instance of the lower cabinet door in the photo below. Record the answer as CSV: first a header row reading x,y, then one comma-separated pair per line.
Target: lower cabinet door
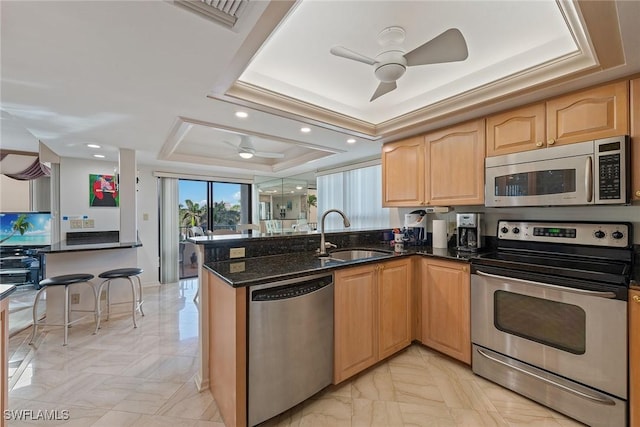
x,y
394,302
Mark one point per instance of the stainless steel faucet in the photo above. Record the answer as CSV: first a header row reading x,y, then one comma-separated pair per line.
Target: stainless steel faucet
x,y
323,244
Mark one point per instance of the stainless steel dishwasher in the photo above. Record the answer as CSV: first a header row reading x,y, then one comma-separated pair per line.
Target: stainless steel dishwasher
x,y
290,343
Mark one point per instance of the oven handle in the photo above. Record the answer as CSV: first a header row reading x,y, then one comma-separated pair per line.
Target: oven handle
x,y
588,179
600,294
595,398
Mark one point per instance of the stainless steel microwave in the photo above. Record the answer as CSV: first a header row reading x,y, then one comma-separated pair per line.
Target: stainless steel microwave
x,y
586,173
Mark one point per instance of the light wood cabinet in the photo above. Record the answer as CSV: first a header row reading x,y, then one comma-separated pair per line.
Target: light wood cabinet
x,y
372,315
634,358
403,173
394,306
454,165
4,358
446,316
355,320
594,113
521,129
635,140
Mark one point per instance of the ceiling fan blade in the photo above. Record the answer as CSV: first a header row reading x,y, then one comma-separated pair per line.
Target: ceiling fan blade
x,y
350,54
382,89
268,155
449,46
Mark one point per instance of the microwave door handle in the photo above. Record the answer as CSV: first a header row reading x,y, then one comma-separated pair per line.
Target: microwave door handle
x,y
601,294
588,179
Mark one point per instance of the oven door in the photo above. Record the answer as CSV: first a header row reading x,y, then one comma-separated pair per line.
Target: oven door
x,y
578,334
558,181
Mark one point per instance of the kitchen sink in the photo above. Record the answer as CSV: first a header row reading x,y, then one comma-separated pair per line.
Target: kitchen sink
x,y
357,254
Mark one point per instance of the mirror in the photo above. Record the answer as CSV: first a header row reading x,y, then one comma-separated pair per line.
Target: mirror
x,y
286,205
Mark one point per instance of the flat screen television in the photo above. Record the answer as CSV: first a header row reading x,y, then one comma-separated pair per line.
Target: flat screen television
x,y
37,231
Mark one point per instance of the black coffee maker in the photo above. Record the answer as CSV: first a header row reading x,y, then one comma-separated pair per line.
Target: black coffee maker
x,y
468,231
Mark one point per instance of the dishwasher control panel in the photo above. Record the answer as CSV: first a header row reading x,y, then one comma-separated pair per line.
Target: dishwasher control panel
x,y
293,290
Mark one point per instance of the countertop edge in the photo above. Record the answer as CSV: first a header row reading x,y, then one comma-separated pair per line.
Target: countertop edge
x,y
331,268
6,290
88,247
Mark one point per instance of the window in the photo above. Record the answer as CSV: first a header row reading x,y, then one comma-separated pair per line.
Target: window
x,y
357,193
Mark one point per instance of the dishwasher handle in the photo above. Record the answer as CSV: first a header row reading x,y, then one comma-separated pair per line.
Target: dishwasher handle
x,y
292,290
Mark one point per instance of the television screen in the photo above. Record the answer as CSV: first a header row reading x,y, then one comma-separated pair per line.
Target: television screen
x,y
35,227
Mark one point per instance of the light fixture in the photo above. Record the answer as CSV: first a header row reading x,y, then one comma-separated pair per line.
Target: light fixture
x,y
99,156
245,154
351,141
93,146
305,130
242,114
298,187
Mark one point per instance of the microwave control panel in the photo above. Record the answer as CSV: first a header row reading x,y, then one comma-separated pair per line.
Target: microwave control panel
x,y
610,169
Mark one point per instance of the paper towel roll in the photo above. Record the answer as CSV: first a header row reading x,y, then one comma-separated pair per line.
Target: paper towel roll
x,y
439,233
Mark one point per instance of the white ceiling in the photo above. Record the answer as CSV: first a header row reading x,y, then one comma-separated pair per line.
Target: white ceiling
x,y
163,80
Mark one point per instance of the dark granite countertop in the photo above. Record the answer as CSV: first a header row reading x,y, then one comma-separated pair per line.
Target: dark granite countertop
x,y
6,290
257,270
64,246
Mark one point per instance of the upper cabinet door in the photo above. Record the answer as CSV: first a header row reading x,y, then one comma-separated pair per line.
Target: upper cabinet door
x,y
403,173
635,139
516,130
595,113
455,165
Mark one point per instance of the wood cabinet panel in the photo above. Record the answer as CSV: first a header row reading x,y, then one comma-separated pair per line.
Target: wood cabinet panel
x,y
635,139
521,129
594,113
403,173
454,165
446,315
634,358
4,358
355,308
394,305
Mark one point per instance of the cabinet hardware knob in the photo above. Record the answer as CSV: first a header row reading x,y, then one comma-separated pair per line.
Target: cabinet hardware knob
x,y
637,193
551,142
539,144
636,298
464,268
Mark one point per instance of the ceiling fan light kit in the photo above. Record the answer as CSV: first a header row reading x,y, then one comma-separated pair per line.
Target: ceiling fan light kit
x,y
391,64
247,151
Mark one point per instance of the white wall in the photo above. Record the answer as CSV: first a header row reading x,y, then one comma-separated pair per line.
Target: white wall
x,y
74,195
14,195
148,225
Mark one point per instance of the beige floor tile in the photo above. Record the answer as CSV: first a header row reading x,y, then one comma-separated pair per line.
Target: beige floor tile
x,y
144,377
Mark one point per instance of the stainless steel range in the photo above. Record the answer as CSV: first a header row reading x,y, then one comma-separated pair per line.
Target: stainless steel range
x,y
549,316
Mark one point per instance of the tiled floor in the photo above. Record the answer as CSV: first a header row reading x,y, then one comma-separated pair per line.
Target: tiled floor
x,y
144,377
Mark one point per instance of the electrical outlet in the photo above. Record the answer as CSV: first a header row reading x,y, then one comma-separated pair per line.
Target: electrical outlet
x,y
88,223
75,298
145,216
75,223
236,267
236,253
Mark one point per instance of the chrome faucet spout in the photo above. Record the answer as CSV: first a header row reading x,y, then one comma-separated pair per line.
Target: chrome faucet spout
x,y
345,220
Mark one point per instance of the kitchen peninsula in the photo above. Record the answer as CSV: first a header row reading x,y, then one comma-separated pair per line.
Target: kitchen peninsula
x,y
92,253
386,315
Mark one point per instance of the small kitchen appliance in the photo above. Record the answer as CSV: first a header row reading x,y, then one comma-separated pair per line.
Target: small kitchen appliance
x,y
468,231
414,227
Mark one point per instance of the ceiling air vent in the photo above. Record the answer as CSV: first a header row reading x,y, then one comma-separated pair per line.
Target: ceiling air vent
x,y
225,12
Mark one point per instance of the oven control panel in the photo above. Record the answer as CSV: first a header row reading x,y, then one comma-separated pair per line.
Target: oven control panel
x,y
579,233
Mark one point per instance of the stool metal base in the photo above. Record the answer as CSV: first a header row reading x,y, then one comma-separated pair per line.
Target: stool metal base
x,y
67,312
136,303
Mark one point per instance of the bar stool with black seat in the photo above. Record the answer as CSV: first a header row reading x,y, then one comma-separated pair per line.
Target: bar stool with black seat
x,y
65,280
121,273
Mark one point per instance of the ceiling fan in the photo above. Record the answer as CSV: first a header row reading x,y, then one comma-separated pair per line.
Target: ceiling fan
x,y
247,151
392,63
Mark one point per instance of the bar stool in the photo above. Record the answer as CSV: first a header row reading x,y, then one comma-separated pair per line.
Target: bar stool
x,y
121,273
66,280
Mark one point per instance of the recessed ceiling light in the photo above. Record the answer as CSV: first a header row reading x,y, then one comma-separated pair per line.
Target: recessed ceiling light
x,y
93,146
99,156
298,187
305,130
351,141
242,114
245,155
292,191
